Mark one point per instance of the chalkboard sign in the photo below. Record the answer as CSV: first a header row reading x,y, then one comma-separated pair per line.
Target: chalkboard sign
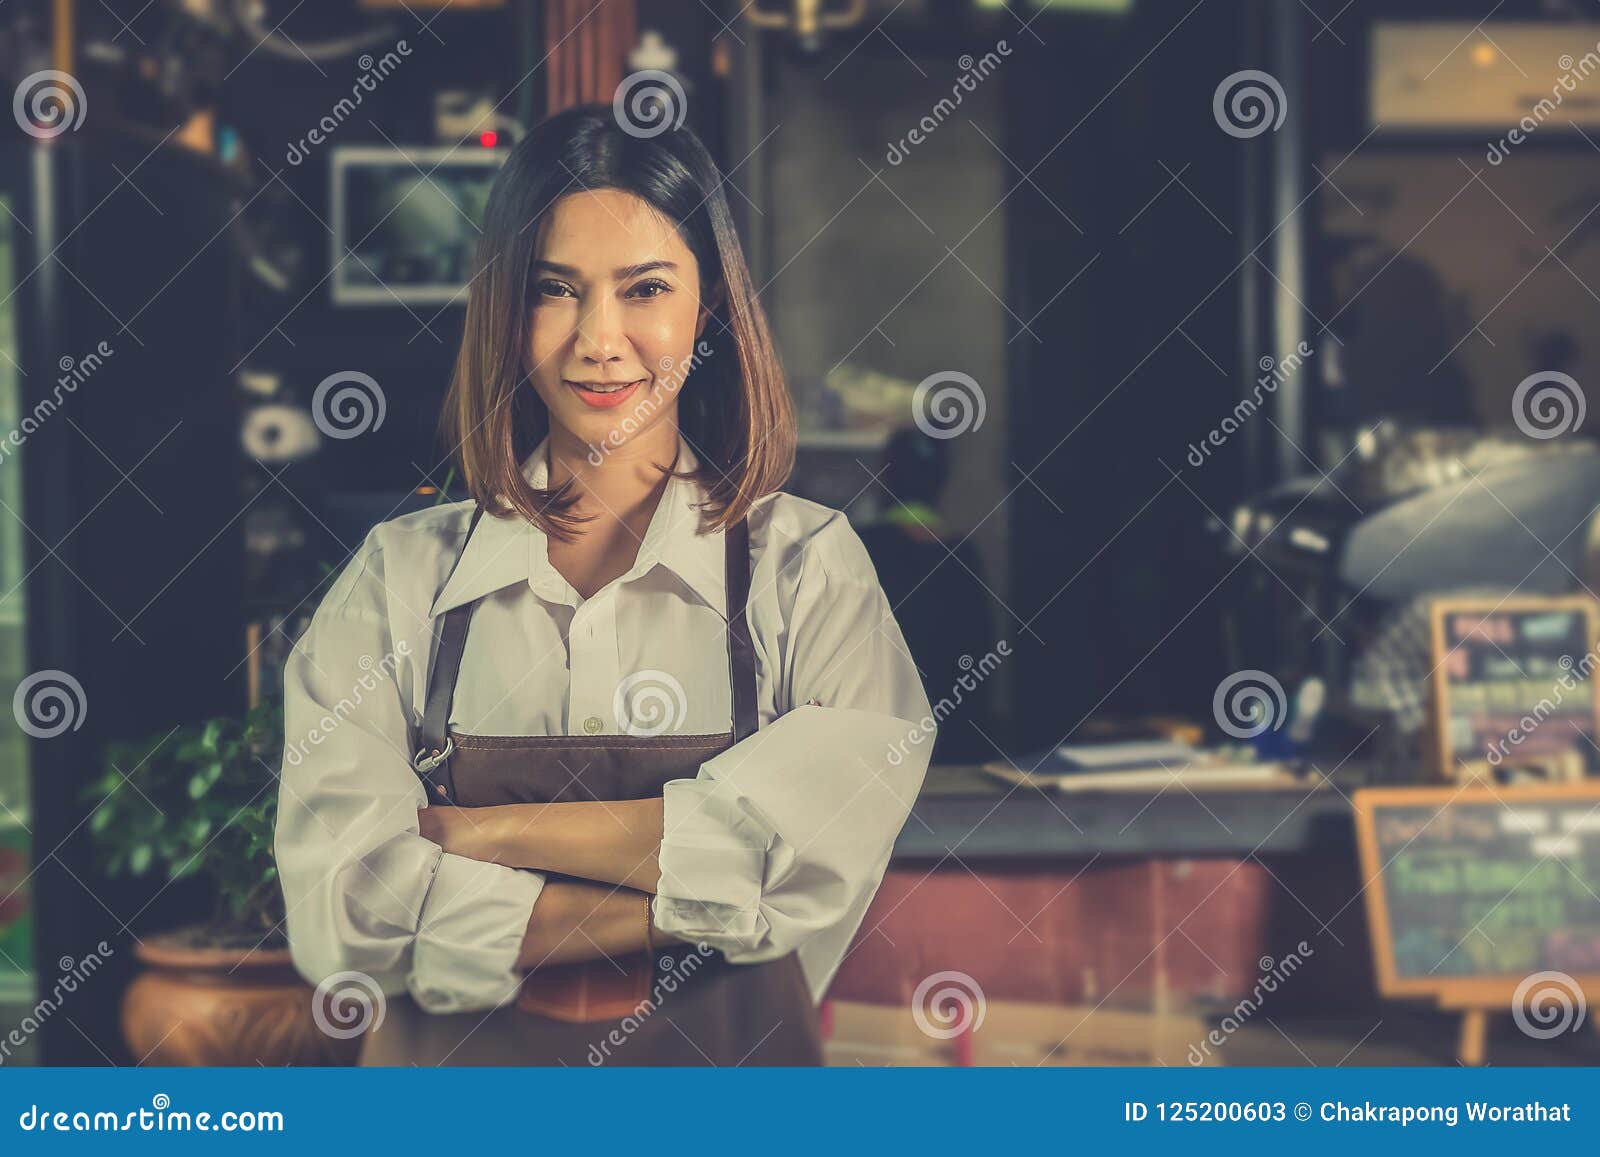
x,y
1513,683
1476,889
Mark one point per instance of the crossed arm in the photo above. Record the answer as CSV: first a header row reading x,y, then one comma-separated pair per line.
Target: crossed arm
x,y
616,845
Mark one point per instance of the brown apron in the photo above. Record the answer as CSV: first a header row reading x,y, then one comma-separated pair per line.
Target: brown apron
x,y
682,1006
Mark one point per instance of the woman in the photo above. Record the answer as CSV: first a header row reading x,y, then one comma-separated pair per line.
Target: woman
x,y
595,767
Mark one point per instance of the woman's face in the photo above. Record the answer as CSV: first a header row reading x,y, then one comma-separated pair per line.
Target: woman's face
x,y
616,312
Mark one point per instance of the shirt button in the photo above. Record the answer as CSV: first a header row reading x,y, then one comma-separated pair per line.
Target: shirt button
x,y
592,724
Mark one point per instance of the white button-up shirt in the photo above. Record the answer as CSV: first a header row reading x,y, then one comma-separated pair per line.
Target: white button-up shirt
x,y
776,845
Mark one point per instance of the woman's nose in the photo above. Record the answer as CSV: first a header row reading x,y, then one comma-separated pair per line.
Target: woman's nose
x,y
601,337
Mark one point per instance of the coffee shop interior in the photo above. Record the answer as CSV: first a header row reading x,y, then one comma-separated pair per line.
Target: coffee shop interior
x,y
1166,357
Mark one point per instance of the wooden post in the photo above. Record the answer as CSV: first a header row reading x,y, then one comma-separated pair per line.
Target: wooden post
x,y
589,45
1473,1045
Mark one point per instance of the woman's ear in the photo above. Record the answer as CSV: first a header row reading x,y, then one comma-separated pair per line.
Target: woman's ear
x,y
709,304
525,353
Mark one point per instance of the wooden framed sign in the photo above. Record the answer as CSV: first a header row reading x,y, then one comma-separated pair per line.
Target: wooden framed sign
x,y
1513,684
1472,891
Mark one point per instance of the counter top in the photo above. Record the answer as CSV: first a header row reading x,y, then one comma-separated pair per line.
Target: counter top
x,y
966,813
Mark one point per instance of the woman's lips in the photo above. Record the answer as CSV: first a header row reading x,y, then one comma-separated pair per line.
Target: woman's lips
x,y
608,400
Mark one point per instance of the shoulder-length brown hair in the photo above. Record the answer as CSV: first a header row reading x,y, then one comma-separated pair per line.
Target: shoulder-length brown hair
x,y
734,408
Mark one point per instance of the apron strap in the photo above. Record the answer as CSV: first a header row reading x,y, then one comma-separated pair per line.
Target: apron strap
x,y
432,758
741,651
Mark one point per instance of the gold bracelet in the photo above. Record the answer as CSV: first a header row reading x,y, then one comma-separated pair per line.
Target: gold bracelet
x,y
649,940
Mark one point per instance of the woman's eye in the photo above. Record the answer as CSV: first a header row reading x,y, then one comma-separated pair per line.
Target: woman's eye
x,y
661,287
549,288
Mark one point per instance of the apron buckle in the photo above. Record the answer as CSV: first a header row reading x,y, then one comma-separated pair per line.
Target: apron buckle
x,y
425,762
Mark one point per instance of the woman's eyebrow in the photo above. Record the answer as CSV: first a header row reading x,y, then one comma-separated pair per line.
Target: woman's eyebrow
x,y
621,274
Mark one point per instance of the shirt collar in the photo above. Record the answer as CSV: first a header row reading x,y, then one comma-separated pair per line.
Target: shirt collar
x,y
503,551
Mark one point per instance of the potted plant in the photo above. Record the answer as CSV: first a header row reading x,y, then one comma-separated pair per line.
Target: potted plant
x,y
201,801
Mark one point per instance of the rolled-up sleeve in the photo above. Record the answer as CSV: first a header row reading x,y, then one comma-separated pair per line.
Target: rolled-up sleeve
x,y
787,834
364,892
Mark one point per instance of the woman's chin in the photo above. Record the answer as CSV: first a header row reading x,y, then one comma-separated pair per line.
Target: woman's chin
x,y
609,430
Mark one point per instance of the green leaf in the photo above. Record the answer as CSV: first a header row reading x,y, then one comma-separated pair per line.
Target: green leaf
x,y
139,859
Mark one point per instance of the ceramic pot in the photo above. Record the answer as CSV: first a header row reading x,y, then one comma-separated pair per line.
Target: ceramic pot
x,y
224,1006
